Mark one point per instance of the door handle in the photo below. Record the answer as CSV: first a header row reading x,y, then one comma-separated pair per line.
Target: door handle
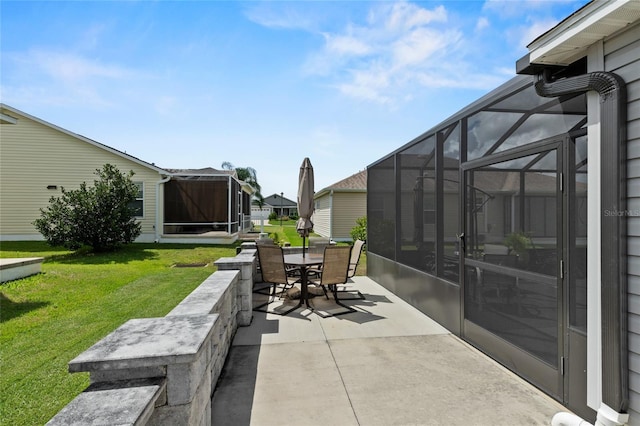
x,y
462,242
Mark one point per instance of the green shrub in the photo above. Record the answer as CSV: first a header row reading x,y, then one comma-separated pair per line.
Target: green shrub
x,y
100,217
276,239
518,242
359,232
273,216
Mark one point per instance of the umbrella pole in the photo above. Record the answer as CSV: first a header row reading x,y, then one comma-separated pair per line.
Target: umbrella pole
x,y
302,246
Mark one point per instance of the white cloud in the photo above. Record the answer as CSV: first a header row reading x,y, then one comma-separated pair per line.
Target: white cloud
x,y
69,67
511,8
482,23
534,30
369,84
540,16
400,45
407,16
421,44
285,17
346,45
403,47
64,78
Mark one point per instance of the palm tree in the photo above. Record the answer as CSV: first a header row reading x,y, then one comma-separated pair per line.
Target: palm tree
x,y
250,176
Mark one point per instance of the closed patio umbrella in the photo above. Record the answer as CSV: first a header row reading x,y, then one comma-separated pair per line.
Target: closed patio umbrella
x,y
305,200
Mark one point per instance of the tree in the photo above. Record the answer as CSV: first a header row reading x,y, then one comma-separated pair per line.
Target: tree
x,y
100,216
249,175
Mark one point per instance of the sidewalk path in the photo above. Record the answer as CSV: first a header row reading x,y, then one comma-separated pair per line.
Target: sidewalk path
x,y
387,364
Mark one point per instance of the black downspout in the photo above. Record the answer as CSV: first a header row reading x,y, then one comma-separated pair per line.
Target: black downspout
x,y
613,122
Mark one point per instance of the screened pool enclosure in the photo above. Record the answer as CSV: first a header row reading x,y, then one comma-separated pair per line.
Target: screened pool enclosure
x,y
202,204
481,223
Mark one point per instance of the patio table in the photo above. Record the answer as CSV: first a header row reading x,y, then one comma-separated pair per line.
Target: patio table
x,y
303,263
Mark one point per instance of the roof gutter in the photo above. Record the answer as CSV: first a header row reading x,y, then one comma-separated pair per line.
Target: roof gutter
x,y
612,91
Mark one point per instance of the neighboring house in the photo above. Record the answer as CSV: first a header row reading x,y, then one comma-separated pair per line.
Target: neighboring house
x,y
339,205
515,223
282,206
38,158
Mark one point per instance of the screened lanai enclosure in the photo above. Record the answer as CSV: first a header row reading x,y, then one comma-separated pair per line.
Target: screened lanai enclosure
x,y
481,223
205,204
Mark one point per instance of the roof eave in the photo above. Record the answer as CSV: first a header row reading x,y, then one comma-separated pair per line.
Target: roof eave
x,y
569,40
325,191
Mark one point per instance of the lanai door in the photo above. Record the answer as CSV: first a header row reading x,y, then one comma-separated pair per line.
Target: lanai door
x,y
524,263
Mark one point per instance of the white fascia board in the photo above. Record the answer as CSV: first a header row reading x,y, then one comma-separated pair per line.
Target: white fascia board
x,y
571,38
325,191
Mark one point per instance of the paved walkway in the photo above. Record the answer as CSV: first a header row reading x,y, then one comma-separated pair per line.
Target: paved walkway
x,y
387,364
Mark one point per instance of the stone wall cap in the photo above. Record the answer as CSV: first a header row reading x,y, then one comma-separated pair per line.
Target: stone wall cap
x,y
15,262
118,403
222,275
148,342
238,260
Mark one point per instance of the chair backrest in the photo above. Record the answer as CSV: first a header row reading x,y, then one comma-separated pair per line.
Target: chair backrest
x,y
356,251
335,265
272,267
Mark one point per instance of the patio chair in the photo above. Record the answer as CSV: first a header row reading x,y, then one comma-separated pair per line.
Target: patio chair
x,y
335,267
273,269
262,241
356,251
290,271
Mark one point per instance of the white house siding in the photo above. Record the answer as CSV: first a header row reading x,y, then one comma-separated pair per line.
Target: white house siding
x,y
622,56
347,207
34,156
322,216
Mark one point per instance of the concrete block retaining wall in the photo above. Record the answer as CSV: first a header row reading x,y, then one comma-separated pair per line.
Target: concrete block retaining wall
x,y
163,371
16,268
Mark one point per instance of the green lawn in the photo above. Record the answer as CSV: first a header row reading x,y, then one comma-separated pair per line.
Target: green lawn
x,y
48,319
287,233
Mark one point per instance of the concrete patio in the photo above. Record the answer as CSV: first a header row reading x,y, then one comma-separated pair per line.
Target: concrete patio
x,y
387,364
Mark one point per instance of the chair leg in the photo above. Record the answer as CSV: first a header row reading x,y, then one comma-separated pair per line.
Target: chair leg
x,y
359,295
324,288
284,290
272,298
339,303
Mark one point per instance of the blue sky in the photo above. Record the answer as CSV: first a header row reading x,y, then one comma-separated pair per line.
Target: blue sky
x,y
261,84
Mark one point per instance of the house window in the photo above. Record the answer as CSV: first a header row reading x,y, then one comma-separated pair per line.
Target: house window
x,y
138,204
